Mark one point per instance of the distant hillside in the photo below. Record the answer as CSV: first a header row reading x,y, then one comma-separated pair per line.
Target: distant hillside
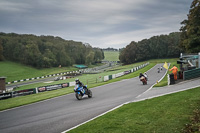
x,y
111,55
46,51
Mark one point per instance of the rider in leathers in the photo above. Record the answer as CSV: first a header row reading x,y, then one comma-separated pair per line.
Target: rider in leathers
x,y
81,84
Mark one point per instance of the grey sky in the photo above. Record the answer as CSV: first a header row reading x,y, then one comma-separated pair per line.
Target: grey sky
x,y
101,23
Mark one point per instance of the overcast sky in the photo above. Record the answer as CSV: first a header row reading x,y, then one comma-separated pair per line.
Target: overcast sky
x,y
101,23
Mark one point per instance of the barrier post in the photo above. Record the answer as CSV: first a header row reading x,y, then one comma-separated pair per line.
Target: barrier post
x,y
36,90
199,61
168,79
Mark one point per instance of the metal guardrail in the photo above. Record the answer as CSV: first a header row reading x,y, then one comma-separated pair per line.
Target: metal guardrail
x,y
190,74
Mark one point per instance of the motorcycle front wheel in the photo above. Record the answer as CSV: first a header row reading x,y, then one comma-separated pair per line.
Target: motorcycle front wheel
x,y
78,96
89,93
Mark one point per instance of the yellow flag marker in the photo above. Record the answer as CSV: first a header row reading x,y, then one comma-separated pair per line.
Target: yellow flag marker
x,y
165,66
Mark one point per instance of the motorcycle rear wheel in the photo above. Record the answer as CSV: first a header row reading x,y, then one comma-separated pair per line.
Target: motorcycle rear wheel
x,y
78,96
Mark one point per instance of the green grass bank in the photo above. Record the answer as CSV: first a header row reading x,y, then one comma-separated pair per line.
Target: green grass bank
x,y
111,55
166,114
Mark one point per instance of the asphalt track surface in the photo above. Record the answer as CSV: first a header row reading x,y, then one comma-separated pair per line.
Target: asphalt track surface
x,y
64,112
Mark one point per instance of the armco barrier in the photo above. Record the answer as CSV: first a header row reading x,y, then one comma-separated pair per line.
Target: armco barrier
x,y
22,80
55,87
119,74
190,74
72,83
35,90
23,92
18,93
109,77
5,95
106,78
113,76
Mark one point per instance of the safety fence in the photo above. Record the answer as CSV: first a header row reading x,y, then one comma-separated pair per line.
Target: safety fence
x,y
113,76
64,85
52,75
190,74
35,90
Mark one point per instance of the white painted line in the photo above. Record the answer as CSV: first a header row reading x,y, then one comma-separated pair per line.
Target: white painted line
x,y
94,118
165,94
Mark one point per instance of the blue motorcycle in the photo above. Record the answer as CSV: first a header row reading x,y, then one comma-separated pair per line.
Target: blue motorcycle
x,y
81,91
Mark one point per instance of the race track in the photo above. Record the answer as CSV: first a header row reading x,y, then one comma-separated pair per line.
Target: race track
x,y
61,113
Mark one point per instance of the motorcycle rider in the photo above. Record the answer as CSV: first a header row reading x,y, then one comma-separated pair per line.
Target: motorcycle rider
x,y
141,76
81,84
158,69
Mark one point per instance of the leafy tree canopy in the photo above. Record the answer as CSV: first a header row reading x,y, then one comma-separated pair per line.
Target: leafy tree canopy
x,y
190,36
46,51
163,46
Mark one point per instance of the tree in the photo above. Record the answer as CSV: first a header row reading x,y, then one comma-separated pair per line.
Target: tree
x,y
98,56
90,58
32,55
46,51
48,58
1,51
156,47
190,36
128,55
173,49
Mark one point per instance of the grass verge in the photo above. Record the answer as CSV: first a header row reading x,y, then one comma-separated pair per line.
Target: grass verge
x,y
28,99
111,55
16,71
164,114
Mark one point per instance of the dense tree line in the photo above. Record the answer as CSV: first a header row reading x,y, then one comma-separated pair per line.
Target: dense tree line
x,y
163,46
46,51
110,49
190,31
